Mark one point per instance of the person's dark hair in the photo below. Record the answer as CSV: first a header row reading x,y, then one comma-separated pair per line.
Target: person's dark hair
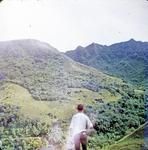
x,y
80,107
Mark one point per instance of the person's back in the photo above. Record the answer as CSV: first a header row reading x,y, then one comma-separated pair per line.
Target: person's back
x,y
80,122
78,128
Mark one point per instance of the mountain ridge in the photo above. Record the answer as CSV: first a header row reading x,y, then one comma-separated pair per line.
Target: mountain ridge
x,y
46,72
126,60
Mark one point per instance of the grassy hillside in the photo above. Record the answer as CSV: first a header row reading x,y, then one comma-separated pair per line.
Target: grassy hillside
x,y
127,60
40,88
34,119
14,94
134,141
19,102
48,75
115,120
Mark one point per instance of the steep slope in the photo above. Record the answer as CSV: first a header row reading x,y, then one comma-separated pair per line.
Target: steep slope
x,y
48,74
127,60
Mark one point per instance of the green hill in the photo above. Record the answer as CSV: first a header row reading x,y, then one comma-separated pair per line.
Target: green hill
x,y
50,75
39,89
127,60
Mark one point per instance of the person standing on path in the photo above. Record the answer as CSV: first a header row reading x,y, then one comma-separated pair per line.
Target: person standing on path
x,y
79,127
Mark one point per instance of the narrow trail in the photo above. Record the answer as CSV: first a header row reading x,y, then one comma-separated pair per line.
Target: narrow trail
x,y
55,138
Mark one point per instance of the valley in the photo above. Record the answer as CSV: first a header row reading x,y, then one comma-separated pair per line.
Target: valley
x,y
40,88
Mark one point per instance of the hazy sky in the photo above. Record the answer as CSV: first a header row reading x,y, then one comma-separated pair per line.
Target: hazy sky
x,y
65,24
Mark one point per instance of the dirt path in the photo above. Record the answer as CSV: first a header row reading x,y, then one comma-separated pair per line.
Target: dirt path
x,y
55,138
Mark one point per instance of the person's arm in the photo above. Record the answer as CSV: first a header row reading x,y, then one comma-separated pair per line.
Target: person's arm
x,y
89,124
90,128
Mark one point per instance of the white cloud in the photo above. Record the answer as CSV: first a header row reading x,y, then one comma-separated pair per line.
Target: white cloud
x,y
66,24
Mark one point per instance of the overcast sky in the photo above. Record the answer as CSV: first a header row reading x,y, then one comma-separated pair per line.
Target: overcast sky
x,y
65,24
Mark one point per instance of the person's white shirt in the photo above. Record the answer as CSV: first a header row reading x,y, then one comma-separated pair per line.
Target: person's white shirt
x,y
0,144
79,123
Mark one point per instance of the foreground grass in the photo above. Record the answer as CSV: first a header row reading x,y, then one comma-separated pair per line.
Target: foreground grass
x,y
128,144
133,141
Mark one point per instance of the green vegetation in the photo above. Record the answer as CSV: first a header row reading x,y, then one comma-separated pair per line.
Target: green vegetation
x,y
39,89
47,74
18,132
127,60
133,141
117,119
